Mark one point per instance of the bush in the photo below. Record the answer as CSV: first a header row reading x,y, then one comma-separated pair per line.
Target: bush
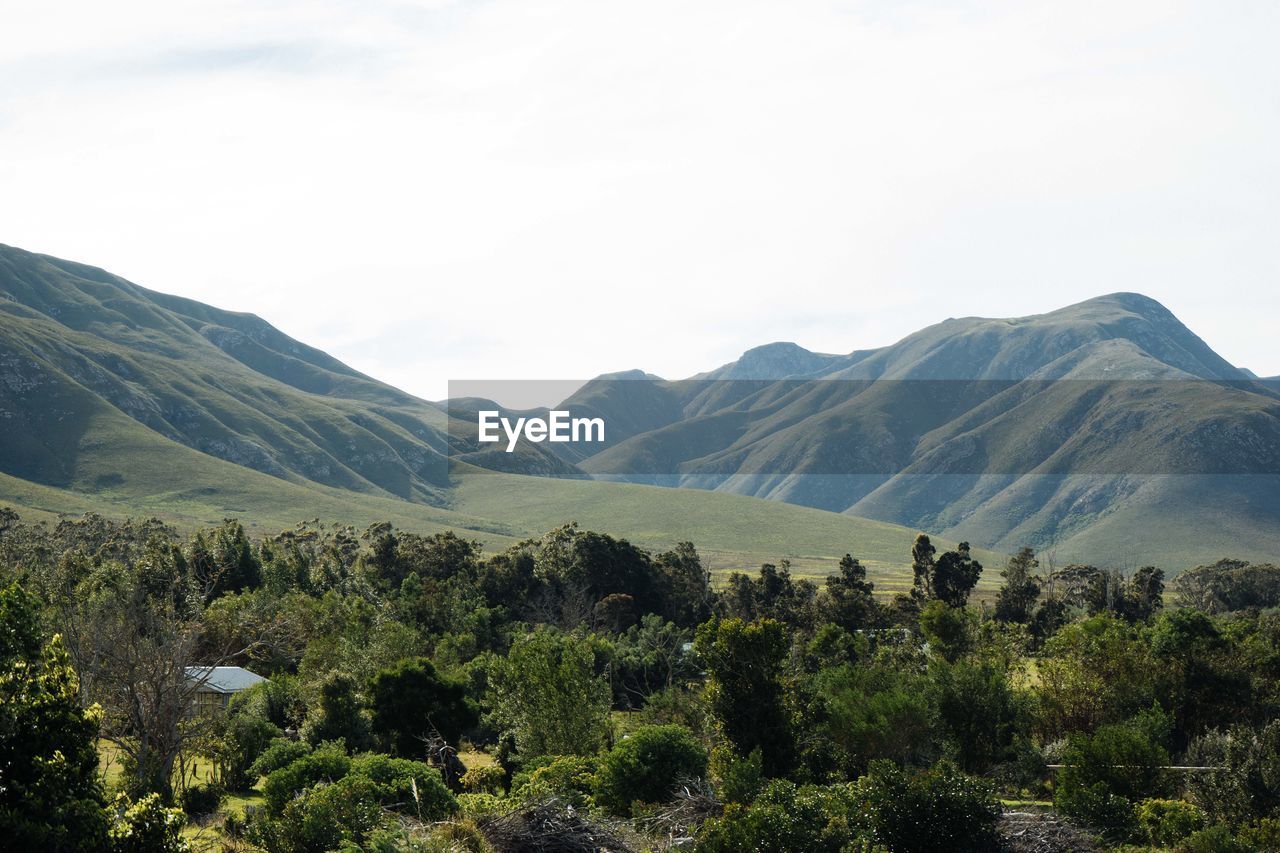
x,y
1215,839
450,837
201,799
937,810
486,779
281,753
740,778
1106,773
328,763
1098,807
787,819
146,826
412,699
278,700
243,741
1262,835
1166,822
1248,786
326,817
570,778
338,716
410,787
647,766
477,806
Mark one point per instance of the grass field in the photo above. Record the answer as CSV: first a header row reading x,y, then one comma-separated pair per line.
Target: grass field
x,y
732,532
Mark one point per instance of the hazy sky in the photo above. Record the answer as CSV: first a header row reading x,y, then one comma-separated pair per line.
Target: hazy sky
x,y
521,189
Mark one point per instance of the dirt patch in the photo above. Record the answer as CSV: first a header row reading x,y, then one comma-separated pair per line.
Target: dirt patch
x,y
1036,831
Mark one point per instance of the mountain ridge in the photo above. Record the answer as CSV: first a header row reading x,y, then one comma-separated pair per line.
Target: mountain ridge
x,y
1102,424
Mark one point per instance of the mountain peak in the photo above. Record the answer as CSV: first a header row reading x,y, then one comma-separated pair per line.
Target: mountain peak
x,y
1128,301
780,360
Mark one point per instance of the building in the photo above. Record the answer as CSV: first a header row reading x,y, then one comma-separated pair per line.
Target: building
x,y
220,684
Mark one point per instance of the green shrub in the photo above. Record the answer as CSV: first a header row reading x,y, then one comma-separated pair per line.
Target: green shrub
x,y
1166,822
1215,839
938,810
201,799
244,739
328,816
410,787
787,819
412,698
1262,835
476,806
280,753
487,779
146,826
568,777
1247,787
328,763
646,767
338,715
1106,773
1098,807
741,779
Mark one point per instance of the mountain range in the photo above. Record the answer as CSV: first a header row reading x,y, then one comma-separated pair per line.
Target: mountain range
x,y
1105,431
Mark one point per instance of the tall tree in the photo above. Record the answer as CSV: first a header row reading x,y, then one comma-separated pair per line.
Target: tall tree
x,y
922,552
50,797
850,599
745,663
955,575
138,643
1017,597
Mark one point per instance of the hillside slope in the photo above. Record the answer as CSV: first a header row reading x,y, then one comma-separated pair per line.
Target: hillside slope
x,y
119,400
1102,427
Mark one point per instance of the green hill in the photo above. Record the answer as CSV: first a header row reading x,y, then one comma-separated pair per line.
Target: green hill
x,y
118,400
1106,431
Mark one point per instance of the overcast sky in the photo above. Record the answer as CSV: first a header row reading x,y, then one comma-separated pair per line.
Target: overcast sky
x,y
521,189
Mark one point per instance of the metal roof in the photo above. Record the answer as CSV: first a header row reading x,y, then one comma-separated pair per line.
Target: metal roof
x,y
224,679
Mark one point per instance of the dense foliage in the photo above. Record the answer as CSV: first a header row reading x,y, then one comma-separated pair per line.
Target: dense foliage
x,y
595,687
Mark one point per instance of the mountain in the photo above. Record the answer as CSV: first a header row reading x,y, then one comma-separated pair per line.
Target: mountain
x,y
1105,431
121,400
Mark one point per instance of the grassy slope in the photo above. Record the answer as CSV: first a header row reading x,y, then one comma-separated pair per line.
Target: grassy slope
x,y
731,531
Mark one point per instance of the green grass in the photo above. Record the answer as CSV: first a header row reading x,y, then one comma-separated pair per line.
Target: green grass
x,y
732,532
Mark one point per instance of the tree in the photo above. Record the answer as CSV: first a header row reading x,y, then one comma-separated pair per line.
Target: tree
x,y
948,629
412,701
979,713
50,797
548,692
850,599
955,575
686,584
134,632
648,658
744,663
922,568
1146,593
647,766
870,713
1017,597
1107,772
338,715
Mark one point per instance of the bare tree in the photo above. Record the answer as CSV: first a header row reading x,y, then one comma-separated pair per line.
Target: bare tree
x,y
136,637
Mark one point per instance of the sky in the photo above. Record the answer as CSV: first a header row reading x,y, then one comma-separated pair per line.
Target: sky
x,y
518,189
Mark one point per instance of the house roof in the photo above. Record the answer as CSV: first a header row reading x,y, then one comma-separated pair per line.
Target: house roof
x,y
224,679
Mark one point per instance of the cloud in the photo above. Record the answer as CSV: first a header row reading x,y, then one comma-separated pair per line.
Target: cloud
x,y
555,189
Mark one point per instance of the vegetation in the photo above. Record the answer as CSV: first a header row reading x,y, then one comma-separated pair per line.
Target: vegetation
x,y
426,694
